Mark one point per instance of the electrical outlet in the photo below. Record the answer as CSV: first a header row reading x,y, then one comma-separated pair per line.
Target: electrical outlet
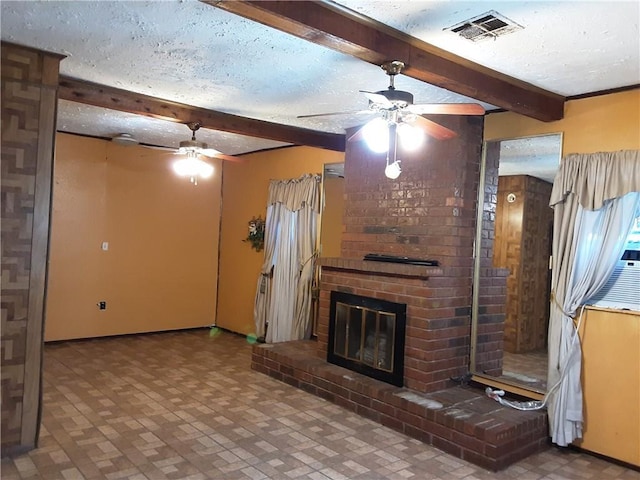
x,y
102,305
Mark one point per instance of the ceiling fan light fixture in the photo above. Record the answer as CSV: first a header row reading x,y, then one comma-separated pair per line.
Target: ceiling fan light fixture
x,y
376,135
411,137
191,166
392,171
204,169
192,146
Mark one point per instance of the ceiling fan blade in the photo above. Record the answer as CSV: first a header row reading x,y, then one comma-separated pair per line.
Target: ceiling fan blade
x,y
377,98
434,129
159,147
447,109
351,112
212,153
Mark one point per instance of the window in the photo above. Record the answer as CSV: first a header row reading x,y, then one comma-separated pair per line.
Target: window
x,y
621,290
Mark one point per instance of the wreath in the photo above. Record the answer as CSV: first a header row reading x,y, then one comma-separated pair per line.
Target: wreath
x,y
256,233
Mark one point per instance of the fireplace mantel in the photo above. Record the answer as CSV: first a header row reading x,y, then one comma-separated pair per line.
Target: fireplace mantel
x,y
379,268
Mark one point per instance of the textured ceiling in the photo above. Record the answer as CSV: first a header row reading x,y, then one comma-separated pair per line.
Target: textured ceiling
x,y
196,54
537,156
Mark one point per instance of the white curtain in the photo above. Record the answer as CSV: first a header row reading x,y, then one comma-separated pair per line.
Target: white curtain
x,y
263,289
593,213
282,308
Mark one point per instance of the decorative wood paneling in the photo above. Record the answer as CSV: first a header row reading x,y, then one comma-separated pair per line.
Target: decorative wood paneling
x,y
29,83
523,245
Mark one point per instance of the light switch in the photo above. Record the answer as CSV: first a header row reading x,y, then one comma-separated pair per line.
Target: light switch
x,y
105,246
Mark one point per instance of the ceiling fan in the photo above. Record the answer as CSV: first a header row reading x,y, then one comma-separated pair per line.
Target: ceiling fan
x,y
191,147
397,107
190,165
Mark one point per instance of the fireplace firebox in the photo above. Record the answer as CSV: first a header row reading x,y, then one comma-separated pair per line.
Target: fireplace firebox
x,y
366,335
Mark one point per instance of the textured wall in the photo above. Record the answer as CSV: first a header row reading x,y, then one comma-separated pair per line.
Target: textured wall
x,y
29,86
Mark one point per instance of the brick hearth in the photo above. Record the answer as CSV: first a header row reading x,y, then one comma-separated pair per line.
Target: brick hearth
x,y
460,421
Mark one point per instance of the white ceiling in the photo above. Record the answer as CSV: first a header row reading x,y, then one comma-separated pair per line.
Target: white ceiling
x,y
193,53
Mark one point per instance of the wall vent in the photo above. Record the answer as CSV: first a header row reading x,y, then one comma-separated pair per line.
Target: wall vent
x,y
488,25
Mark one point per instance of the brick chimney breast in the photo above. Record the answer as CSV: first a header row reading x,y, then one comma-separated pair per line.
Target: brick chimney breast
x,y
428,212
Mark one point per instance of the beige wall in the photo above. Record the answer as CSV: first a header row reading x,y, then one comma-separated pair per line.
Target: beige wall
x,y
245,188
596,124
160,271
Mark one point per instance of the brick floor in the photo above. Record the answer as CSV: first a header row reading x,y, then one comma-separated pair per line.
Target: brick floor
x,y
461,420
186,405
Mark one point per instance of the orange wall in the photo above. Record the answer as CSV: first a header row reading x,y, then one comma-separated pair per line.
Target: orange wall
x,y
160,271
245,189
611,359
596,124
331,229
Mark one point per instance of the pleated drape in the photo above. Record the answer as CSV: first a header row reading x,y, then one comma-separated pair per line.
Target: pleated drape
x,y
282,309
593,213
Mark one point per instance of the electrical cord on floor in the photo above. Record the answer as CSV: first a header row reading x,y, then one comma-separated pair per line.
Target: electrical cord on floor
x,y
540,404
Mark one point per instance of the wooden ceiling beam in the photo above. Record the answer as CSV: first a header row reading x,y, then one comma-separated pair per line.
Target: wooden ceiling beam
x,y
104,96
339,28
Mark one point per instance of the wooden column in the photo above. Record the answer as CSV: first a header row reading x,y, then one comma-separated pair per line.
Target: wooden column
x,y
29,99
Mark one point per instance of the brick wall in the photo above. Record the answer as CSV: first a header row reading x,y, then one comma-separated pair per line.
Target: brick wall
x,y
428,212
492,291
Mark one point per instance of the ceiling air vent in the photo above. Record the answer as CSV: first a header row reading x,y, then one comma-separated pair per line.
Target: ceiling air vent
x,y
488,25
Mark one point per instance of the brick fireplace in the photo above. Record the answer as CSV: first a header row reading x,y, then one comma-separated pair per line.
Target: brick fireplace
x,y
428,213
367,335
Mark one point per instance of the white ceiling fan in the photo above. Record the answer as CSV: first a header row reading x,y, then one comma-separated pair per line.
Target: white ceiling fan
x,y
191,146
397,107
189,164
399,121
196,147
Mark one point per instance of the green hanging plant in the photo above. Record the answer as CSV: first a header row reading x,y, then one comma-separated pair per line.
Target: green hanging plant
x,y
256,233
